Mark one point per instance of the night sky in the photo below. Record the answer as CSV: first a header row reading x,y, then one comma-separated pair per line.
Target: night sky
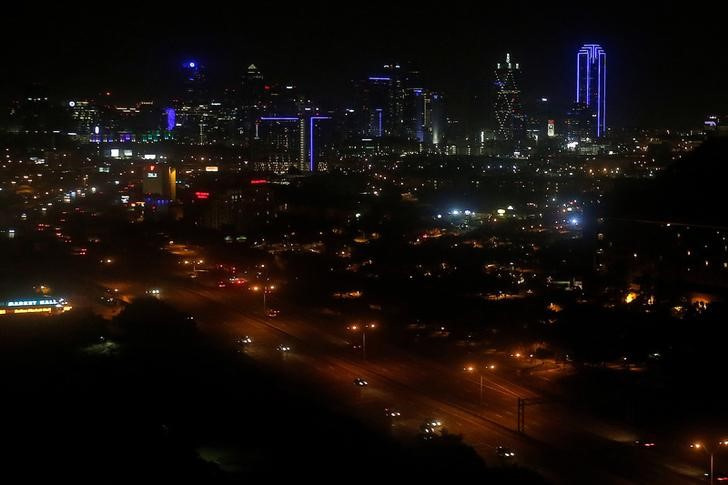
x,y
667,64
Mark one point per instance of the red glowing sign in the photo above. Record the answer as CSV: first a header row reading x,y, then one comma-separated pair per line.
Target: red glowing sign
x,y
202,195
258,181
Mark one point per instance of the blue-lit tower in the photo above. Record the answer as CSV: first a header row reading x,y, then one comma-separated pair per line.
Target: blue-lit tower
x,y
193,82
591,83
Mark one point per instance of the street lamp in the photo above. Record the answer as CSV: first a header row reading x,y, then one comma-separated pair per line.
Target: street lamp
x,y
266,289
710,452
363,327
472,369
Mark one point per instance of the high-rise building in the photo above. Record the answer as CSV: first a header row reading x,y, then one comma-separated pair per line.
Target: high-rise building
x,y
591,84
280,143
253,103
85,116
435,120
507,106
579,124
194,83
253,85
160,180
380,107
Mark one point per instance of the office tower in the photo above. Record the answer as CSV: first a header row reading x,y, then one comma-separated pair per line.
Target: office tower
x,y
380,106
85,116
435,118
507,106
591,84
251,103
253,85
194,82
317,138
540,119
579,123
414,107
280,143
161,181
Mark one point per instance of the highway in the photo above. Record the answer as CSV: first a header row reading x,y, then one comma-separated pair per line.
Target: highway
x,y
562,446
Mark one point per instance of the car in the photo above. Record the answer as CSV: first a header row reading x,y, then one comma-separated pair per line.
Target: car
x,y
245,340
427,433
433,423
429,429
644,443
153,292
392,413
360,382
271,313
284,348
221,284
504,452
108,300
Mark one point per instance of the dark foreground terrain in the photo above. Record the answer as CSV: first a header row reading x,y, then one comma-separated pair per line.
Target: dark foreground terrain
x,y
146,399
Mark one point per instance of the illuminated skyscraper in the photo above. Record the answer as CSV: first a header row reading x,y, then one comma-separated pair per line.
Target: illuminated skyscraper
x,y
194,82
591,83
381,102
507,106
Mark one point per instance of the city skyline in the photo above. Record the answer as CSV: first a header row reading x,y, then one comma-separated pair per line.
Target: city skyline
x,y
449,61
401,243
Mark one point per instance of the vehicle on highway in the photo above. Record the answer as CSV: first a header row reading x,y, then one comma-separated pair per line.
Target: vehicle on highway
x,y
221,284
644,443
108,300
427,433
245,340
504,452
272,313
433,423
154,292
430,428
392,412
284,348
360,382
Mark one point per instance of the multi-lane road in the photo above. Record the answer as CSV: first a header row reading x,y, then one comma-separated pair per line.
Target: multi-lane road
x,y
564,446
